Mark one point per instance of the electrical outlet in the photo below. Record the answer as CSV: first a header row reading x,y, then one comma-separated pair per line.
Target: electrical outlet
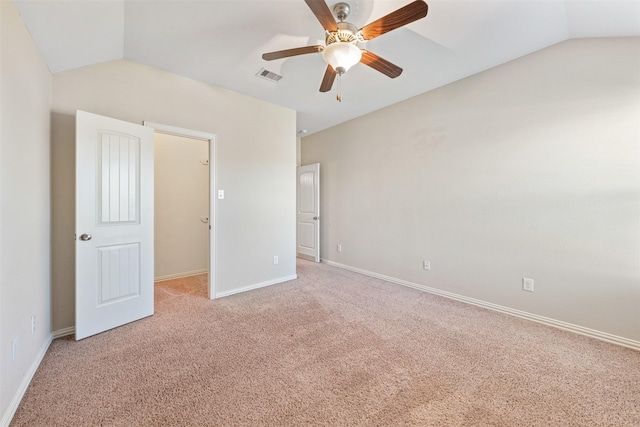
x,y
426,265
339,247
527,284
14,348
220,194
275,259
33,323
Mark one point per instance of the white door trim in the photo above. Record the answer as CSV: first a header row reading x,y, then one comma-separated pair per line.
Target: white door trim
x,y
211,138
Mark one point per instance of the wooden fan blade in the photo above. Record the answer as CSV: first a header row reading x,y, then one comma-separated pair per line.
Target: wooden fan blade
x,y
327,80
403,16
292,52
324,15
380,64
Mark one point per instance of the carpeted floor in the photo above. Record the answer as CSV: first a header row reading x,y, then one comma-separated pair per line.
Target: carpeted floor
x,y
332,348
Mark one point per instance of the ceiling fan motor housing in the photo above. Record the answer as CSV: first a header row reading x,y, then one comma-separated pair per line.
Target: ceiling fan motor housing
x,y
347,33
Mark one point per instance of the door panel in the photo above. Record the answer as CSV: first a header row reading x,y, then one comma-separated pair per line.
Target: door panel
x,y
118,161
114,223
308,212
307,233
118,275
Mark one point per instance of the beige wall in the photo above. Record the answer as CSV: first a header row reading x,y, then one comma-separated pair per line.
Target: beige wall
x,y
255,165
530,169
25,85
181,187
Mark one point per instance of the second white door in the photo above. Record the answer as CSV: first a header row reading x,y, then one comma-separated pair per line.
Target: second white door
x,y
308,212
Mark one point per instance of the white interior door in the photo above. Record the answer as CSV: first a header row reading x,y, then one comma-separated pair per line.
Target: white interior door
x,y
114,223
308,214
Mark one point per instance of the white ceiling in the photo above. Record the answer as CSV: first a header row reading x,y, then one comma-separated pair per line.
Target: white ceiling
x,y
221,41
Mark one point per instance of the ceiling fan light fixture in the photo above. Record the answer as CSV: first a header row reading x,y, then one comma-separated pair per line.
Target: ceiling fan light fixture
x,y
342,56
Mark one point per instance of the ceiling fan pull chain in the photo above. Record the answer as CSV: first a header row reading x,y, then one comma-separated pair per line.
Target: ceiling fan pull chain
x,y
339,88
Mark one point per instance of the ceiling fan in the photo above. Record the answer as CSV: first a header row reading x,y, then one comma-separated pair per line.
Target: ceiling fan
x,y
341,51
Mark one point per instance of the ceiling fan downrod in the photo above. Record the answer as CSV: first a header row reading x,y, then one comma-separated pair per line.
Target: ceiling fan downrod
x,y
342,10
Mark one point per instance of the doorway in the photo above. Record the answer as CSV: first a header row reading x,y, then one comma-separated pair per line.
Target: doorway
x,y
184,206
181,213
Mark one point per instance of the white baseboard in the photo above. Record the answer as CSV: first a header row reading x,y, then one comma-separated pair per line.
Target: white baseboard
x,y
15,402
305,256
592,333
255,286
178,275
64,332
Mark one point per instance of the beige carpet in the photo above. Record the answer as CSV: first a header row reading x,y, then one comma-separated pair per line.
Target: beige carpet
x,y
331,348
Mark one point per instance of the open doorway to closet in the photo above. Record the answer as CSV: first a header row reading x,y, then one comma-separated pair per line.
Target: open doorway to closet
x,y
181,213
184,237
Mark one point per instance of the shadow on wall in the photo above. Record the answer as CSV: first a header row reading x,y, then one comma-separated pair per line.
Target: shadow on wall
x,y
63,218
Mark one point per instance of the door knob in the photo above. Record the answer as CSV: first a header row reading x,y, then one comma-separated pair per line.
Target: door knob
x,y
315,218
84,237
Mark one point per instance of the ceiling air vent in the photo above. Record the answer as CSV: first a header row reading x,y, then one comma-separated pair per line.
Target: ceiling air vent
x,y
269,75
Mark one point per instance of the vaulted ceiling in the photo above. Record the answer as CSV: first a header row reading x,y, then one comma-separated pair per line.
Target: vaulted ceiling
x,y
221,41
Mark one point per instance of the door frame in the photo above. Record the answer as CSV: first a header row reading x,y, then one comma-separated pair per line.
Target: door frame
x,y
211,139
